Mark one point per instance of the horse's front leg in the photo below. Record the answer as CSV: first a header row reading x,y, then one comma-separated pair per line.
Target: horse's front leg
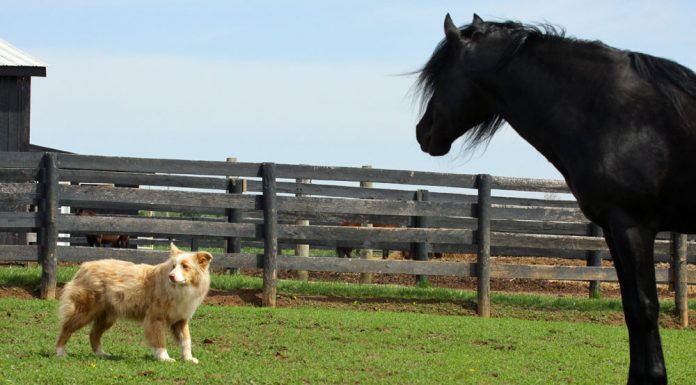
x,y
632,248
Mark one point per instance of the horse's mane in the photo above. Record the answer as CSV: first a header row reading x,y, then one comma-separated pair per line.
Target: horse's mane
x,y
672,80
429,74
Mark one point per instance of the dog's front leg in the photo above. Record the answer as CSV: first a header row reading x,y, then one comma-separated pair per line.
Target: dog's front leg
x,y
155,328
181,333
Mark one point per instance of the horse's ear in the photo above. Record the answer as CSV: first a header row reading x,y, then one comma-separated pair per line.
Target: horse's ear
x,y
451,30
477,21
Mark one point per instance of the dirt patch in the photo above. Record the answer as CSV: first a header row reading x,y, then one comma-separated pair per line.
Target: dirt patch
x,y
527,286
530,286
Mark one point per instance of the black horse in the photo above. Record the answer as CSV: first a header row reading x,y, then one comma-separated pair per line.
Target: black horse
x,y
620,126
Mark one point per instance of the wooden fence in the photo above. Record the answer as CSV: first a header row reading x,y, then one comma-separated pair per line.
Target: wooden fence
x,y
234,204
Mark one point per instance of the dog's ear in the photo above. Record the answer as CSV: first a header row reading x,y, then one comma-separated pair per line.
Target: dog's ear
x,y
204,258
173,250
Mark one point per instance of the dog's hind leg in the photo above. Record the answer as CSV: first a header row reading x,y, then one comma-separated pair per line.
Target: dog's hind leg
x,y
181,333
72,321
101,324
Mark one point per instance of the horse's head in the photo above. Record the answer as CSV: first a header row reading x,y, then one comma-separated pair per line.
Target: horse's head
x,y
455,80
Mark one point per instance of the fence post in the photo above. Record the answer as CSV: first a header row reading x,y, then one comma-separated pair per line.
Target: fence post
x,y
49,236
233,245
303,249
366,278
483,270
594,258
421,248
679,266
194,239
270,235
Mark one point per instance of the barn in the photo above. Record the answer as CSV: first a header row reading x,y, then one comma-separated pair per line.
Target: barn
x,y
16,70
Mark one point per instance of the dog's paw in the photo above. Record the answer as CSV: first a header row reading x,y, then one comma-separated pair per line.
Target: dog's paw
x,y
60,352
192,360
162,356
101,353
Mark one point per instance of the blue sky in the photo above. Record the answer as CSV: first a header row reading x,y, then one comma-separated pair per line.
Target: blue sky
x,y
310,82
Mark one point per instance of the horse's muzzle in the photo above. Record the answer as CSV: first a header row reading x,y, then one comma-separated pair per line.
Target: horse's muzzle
x,y
429,143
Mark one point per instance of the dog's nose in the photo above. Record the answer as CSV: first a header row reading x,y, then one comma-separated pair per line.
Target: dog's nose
x,y
172,277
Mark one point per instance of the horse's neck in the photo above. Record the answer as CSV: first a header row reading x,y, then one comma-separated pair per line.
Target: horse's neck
x,y
549,90
547,95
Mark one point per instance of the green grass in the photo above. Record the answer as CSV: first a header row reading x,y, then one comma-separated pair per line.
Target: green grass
x,y
248,345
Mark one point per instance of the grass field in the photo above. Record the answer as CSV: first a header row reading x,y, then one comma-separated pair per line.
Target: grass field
x,y
349,345
247,345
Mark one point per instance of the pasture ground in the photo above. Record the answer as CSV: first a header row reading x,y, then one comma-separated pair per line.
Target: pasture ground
x,y
332,333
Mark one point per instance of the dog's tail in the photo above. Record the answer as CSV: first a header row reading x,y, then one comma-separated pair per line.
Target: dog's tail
x,y
66,307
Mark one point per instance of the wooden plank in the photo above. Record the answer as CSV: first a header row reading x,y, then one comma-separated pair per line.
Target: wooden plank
x,y
380,266
220,260
679,278
234,244
394,194
20,221
122,197
536,227
30,160
375,175
548,241
594,258
375,234
270,236
420,249
20,193
175,166
151,165
335,191
558,214
141,179
373,206
365,251
560,242
483,234
302,250
570,273
15,175
19,253
49,231
146,226
529,184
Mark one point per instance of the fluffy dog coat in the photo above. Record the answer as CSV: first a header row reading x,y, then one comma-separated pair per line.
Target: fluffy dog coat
x,y
163,297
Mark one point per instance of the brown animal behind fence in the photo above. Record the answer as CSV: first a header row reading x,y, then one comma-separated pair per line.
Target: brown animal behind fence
x,y
345,252
100,240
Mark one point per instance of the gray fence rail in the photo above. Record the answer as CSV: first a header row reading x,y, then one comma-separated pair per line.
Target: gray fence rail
x,y
234,204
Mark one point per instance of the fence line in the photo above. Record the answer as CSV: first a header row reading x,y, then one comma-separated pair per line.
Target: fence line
x,y
264,204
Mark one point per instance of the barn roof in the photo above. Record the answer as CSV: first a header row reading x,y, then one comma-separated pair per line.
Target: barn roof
x,y
14,62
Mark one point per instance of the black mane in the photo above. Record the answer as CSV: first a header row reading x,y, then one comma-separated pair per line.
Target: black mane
x,y
672,80
429,74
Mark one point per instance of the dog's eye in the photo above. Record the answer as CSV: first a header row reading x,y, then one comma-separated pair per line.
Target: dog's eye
x,y
185,267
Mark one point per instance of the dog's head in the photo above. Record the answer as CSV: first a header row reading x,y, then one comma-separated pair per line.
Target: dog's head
x,y
187,268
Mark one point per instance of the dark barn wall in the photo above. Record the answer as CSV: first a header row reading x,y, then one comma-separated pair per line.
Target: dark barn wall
x,y
15,92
